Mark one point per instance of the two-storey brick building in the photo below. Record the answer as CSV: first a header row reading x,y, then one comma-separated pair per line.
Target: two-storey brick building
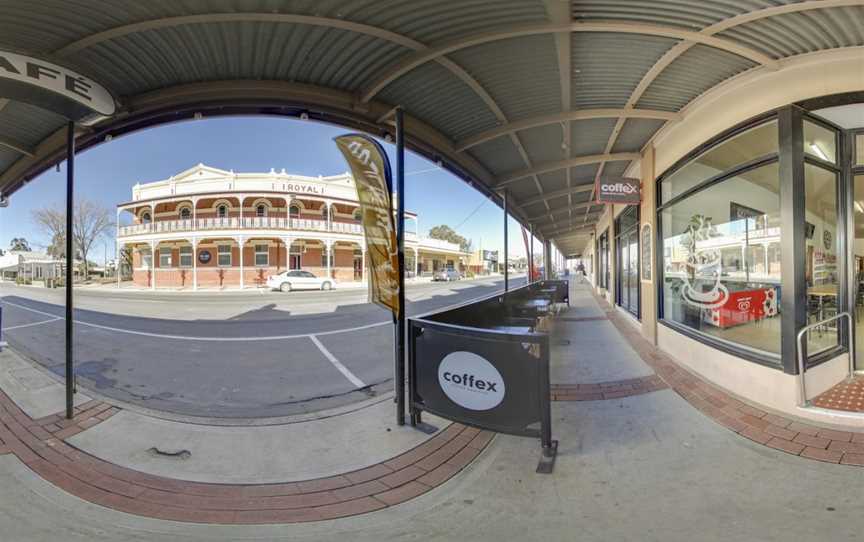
x,y
211,228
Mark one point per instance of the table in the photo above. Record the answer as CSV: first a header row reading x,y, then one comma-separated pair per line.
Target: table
x,y
822,291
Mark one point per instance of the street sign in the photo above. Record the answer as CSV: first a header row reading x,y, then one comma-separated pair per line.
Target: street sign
x,y
625,191
371,170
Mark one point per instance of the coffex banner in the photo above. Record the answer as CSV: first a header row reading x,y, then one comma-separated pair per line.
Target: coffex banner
x,y
371,170
622,190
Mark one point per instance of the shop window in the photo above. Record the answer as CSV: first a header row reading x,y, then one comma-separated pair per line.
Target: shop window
x,y
603,260
186,256
146,259
821,270
324,257
262,255
223,258
820,142
165,257
859,150
627,294
753,143
721,258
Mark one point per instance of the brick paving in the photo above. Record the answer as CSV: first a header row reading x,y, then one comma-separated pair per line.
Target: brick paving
x,y
847,396
607,390
41,445
778,432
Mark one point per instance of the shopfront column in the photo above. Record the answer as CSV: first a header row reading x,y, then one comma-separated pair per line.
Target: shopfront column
x,y
328,245
153,261
416,263
119,259
329,219
194,263
363,264
240,242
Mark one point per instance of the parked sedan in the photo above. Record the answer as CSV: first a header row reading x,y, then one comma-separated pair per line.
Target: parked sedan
x,y
446,275
299,280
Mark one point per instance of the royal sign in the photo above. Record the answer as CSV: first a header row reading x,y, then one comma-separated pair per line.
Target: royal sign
x,y
52,87
624,190
371,170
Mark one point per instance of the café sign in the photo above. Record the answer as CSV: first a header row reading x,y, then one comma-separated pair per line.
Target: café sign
x,y
624,190
47,85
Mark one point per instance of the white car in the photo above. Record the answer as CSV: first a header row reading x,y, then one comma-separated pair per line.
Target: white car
x,y
299,280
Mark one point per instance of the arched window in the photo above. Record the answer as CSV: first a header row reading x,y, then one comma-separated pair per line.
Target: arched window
x,y
145,217
358,215
222,211
294,211
185,213
261,210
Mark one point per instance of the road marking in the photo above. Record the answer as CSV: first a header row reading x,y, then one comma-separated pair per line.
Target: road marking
x,y
341,368
237,339
32,324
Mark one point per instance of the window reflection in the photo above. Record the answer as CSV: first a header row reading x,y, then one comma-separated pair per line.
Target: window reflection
x,y
721,250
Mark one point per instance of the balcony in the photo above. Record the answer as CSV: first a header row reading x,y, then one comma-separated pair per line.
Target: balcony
x,y
245,223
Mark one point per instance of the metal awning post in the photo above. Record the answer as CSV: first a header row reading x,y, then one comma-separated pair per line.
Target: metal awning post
x,y
70,257
506,272
400,244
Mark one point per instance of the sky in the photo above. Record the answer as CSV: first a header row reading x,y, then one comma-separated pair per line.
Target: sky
x,y
106,174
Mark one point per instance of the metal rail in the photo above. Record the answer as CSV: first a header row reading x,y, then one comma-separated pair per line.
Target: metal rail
x,y
801,384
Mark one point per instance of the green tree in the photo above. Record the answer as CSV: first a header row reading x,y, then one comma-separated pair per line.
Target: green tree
x,y
446,233
20,244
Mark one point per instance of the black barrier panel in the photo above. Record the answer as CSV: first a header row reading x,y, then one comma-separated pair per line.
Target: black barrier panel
x,y
486,363
492,380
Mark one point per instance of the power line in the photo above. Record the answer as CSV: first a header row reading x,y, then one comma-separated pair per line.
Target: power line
x,y
471,214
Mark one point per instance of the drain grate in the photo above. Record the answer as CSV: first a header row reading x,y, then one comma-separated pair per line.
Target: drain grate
x,y
171,454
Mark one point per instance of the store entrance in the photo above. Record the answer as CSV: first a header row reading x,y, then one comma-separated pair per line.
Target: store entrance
x,y
627,261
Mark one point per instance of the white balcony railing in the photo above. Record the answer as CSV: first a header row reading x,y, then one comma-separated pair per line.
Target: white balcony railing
x,y
246,223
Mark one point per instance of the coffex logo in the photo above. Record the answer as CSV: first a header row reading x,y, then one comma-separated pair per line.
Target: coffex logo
x,y
470,381
619,188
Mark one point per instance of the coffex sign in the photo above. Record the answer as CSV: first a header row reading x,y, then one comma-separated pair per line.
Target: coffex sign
x,y
624,190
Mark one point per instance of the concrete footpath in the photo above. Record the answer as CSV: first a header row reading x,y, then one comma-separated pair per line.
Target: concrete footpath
x,y
643,465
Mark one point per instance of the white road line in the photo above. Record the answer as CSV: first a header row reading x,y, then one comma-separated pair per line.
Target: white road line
x,y
341,368
236,339
32,324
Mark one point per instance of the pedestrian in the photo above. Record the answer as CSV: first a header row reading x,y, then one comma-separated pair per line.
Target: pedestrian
x,y
580,272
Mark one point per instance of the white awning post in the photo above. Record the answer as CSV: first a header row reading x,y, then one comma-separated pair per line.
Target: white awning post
x,y
240,242
153,261
195,261
328,248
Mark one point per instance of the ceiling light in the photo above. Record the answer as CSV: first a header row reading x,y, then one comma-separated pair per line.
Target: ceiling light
x,y
304,116
859,207
819,152
198,116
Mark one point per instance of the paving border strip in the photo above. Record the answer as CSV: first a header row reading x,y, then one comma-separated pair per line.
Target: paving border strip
x,y
603,391
41,445
768,429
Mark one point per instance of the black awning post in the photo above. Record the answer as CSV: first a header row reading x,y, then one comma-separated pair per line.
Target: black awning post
x,y
506,272
400,243
70,261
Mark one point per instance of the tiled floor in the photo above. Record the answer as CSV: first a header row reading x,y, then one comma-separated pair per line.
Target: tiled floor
x,y
848,396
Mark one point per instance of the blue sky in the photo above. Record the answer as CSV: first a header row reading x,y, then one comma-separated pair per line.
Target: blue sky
x,y
248,144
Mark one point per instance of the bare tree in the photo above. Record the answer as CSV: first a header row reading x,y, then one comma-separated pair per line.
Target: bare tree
x,y
91,222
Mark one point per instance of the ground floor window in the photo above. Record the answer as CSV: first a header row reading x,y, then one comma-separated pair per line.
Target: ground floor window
x,y
603,260
186,256
721,259
165,257
627,294
224,256
325,260
262,255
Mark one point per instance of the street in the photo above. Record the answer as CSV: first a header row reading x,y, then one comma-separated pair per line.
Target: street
x,y
223,354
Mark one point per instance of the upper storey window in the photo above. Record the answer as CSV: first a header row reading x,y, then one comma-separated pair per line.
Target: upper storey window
x,y
261,210
145,217
185,213
222,211
294,211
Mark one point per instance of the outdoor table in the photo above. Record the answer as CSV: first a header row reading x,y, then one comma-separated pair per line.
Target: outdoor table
x,y
534,307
